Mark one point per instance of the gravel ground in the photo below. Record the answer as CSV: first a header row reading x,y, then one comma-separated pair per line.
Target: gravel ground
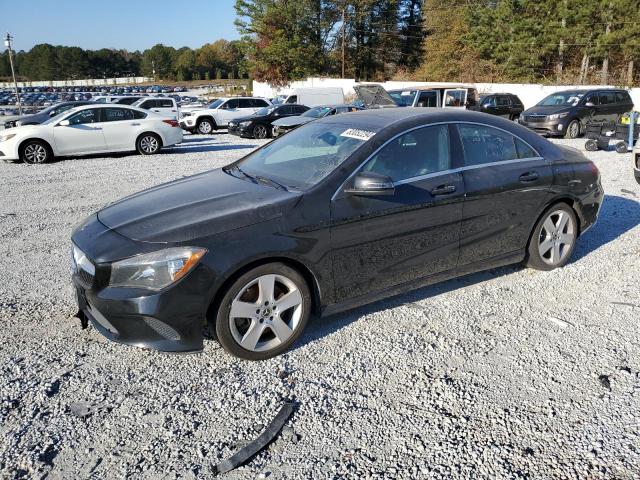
x,y
510,373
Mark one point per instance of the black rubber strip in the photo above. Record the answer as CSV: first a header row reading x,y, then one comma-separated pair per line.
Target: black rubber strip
x,y
265,438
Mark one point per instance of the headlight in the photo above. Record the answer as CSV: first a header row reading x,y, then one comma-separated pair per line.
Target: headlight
x,y
245,124
7,136
556,116
185,114
155,270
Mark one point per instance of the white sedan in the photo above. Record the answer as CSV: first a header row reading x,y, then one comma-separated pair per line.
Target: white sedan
x,y
88,130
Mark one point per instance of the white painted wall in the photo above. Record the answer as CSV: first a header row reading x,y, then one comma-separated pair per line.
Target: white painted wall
x,y
529,93
80,83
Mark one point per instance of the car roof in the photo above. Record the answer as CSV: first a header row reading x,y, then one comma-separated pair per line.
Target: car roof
x,y
431,87
110,105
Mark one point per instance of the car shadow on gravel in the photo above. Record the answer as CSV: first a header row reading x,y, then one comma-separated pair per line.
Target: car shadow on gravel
x,y
617,216
324,326
207,148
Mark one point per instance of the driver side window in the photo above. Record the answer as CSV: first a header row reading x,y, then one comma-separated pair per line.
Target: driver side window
x,y
91,115
418,152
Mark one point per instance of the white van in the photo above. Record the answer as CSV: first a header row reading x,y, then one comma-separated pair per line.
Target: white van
x,y
313,97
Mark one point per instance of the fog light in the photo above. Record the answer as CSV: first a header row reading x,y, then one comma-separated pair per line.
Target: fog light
x,y
559,126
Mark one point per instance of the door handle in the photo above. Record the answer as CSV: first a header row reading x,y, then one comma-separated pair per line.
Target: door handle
x,y
443,190
135,124
97,128
529,177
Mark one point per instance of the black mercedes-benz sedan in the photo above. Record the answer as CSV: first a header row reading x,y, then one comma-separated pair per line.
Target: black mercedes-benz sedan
x,y
259,125
335,214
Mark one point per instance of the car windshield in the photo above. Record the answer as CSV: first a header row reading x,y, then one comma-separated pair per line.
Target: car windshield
x,y
316,112
303,157
562,99
216,104
265,110
404,98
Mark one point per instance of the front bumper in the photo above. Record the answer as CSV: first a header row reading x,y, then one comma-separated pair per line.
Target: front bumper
x,y
188,125
552,128
170,320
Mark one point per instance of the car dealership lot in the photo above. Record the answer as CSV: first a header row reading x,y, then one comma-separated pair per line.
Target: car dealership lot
x,y
506,373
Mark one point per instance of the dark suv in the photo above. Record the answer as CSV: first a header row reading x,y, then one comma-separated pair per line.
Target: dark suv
x,y
505,105
568,112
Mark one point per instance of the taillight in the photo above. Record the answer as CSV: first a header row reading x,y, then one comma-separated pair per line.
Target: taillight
x,y
173,123
594,169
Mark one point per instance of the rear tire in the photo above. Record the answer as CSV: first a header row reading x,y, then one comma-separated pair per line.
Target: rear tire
x,y
553,239
35,152
148,144
263,312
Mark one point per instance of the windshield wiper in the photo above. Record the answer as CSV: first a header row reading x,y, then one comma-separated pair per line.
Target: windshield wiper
x,y
272,182
238,169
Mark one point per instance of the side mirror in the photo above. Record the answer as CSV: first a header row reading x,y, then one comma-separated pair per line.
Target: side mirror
x,y
64,123
52,113
370,183
589,104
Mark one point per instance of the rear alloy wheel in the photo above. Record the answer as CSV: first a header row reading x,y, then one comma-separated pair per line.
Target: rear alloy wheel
x,y
34,152
573,130
263,312
553,239
205,127
260,132
148,144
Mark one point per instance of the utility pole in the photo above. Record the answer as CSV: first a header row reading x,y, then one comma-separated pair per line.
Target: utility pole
x,y
7,43
343,38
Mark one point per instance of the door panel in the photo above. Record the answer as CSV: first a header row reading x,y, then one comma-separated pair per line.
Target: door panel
x,y
120,128
505,191
83,135
379,242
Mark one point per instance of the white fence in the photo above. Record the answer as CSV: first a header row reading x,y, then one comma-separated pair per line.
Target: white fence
x,y
81,83
529,93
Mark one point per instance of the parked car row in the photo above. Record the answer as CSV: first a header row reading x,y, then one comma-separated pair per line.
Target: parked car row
x,y
90,129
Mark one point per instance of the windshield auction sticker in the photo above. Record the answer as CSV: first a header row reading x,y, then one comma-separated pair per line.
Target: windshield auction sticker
x,y
357,134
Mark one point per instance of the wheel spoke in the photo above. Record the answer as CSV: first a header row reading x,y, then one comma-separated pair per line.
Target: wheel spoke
x,y
280,329
555,253
545,246
252,337
563,218
291,299
240,309
549,226
266,284
566,239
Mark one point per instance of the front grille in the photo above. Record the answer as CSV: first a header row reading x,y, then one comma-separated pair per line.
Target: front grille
x,y
535,118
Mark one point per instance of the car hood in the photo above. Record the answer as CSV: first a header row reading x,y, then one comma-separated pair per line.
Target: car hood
x,y
194,207
248,118
374,96
13,118
292,121
547,109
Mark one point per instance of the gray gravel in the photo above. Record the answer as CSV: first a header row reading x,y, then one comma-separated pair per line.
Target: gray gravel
x,y
510,373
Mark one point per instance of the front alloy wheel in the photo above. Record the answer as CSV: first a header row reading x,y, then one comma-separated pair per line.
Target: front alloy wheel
x,y
205,127
260,131
35,152
573,130
263,312
553,239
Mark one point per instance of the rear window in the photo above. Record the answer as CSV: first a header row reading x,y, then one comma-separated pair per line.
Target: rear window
x,y
165,103
623,97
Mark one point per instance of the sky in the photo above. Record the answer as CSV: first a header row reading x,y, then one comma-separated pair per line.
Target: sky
x,y
132,24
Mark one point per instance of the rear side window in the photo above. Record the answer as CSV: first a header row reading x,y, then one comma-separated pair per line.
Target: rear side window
x,y
165,103
259,103
484,144
524,150
298,109
147,104
232,104
623,97
415,153
117,114
428,99
138,115
503,101
607,98
245,103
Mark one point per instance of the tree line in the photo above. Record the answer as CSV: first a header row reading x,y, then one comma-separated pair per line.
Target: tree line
x,y
565,41
549,41
217,60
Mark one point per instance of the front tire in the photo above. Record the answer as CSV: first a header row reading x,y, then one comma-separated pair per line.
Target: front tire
x,y
573,129
205,126
553,239
148,144
35,152
263,312
260,132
